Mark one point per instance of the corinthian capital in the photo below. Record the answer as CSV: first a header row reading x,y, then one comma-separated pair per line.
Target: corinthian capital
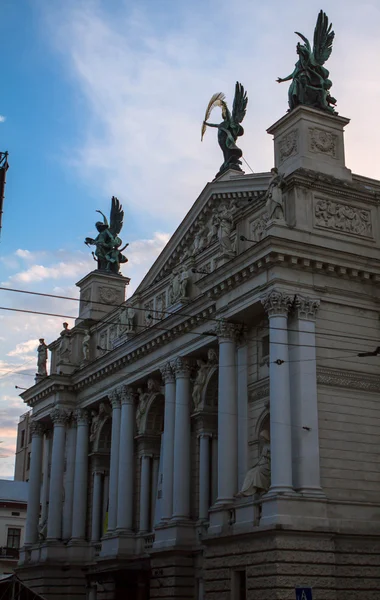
x,y
306,308
276,302
59,416
37,429
181,367
227,331
127,394
81,416
114,397
167,373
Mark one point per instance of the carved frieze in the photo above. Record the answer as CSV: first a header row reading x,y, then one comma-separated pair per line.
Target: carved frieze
x,y
306,308
288,145
321,141
258,227
276,302
342,217
350,379
108,295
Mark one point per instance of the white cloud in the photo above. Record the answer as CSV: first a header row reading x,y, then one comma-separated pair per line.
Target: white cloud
x,y
24,349
2,118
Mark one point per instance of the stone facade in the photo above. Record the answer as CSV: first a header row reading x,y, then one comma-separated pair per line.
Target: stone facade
x,y
225,344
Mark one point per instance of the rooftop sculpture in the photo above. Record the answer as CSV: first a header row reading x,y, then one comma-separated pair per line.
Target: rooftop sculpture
x,y
310,80
229,129
107,244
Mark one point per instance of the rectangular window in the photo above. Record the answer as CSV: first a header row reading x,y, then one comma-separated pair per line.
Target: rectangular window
x,y
15,514
265,346
14,537
239,585
28,462
22,442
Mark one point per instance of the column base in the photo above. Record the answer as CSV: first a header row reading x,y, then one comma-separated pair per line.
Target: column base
x,y
221,517
174,533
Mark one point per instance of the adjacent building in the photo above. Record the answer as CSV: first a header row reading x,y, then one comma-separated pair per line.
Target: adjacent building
x,y
13,504
251,339
23,448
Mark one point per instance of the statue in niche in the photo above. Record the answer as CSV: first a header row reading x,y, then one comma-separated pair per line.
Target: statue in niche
x,y
86,345
310,80
98,417
204,368
42,356
274,197
64,348
223,223
107,244
257,480
153,387
229,129
126,320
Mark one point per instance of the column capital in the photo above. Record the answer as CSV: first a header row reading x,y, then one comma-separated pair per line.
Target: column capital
x,y
114,398
167,373
81,416
127,394
306,308
227,331
181,367
37,429
60,416
276,302
204,434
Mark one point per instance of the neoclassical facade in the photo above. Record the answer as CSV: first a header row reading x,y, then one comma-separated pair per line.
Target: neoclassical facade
x,y
217,435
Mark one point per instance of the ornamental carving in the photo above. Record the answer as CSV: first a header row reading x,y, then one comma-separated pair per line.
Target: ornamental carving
x,y
167,373
127,394
181,367
37,429
276,303
59,416
81,416
288,144
114,398
349,379
306,308
148,314
160,306
258,227
322,141
178,286
108,295
343,217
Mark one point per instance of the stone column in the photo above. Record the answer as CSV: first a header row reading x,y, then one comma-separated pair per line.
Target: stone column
x,y
80,476
214,468
71,440
114,462
303,366
145,493
168,454
182,435
227,413
126,460
242,407
106,487
45,477
277,305
34,487
155,471
204,475
60,417
96,525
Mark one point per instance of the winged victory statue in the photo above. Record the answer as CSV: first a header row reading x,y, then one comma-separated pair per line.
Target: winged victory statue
x,y
229,129
310,84
107,243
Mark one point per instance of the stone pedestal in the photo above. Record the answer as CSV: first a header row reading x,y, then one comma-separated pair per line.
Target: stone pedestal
x,y
310,139
100,293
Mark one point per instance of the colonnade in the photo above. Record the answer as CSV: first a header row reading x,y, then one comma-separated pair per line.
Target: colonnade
x,y
294,456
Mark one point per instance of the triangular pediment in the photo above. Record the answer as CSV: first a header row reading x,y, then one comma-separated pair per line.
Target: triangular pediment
x,y
192,242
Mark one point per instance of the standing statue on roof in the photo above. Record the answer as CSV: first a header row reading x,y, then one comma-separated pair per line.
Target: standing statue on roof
x,y
107,253
229,129
310,80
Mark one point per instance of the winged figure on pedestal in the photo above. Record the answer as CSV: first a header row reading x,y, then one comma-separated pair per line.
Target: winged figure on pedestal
x,y
107,244
229,129
310,80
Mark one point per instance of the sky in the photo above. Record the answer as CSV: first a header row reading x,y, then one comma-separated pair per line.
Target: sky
x,y
107,97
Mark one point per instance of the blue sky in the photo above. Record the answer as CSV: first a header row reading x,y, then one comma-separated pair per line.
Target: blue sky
x,y
105,98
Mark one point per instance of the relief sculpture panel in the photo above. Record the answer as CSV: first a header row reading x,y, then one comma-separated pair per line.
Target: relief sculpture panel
x,y
342,217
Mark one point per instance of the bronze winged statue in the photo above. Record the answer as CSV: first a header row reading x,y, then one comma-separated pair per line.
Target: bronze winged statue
x,y
229,129
107,244
310,80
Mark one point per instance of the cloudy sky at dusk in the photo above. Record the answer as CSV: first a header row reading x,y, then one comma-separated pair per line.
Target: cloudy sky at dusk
x,y
106,97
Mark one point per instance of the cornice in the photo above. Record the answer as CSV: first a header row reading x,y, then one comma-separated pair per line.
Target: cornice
x,y
50,386
357,380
